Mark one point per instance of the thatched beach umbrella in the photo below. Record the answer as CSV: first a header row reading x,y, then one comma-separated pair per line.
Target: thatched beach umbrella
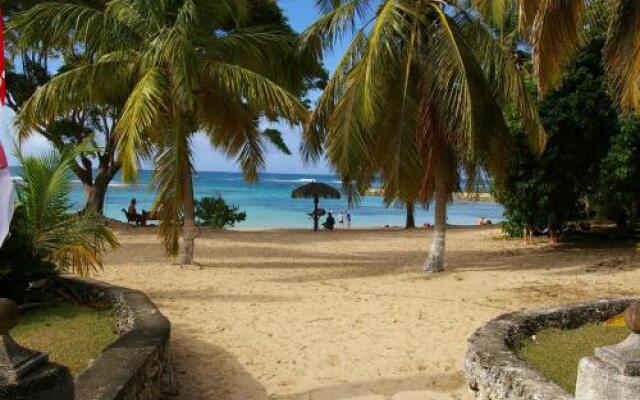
x,y
315,191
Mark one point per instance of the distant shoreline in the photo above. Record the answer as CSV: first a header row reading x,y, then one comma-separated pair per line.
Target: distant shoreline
x,y
459,196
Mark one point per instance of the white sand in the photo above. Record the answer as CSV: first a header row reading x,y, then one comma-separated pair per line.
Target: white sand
x,y
294,315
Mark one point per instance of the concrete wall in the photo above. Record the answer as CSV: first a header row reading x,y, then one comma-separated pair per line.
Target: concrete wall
x,y
137,366
493,371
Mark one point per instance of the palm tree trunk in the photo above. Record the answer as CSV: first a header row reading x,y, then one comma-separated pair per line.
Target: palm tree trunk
x,y
435,261
189,229
411,220
316,218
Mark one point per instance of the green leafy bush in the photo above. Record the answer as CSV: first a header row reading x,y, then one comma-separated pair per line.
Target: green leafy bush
x,y
20,262
214,211
551,191
619,188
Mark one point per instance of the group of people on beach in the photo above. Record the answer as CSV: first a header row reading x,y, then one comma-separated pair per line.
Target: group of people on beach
x,y
483,221
343,217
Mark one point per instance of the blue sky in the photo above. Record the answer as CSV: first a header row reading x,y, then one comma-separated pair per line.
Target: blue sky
x,y
301,13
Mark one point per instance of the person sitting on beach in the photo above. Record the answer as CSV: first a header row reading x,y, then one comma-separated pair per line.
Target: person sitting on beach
x,y
482,221
132,213
132,207
330,222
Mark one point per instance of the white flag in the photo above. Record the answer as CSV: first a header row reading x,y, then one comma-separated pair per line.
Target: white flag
x,y
6,196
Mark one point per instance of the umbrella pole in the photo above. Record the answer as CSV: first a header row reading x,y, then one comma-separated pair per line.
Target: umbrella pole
x,y
316,217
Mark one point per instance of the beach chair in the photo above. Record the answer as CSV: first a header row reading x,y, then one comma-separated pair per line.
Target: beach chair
x,y
141,219
137,219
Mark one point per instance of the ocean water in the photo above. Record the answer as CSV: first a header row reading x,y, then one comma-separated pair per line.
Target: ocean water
x,y
268,202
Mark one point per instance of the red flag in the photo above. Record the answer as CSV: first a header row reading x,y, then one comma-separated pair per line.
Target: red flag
x,y
6,186
3,158
3,85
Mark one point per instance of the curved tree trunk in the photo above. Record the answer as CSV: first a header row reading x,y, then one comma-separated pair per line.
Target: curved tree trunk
x,y
411,220
96,192
95,198
189,229
435,261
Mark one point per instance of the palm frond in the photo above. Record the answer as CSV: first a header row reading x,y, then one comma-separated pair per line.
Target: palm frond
x,y
556,36
142,112
171,178
622,54
260,92
65,25
86,85
72,242
275,138
495,12
458,90
340,18
314,134
503,75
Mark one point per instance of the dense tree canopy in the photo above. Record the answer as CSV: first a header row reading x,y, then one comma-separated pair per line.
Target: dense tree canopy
x,y
182,70
581,120
97,170
416,99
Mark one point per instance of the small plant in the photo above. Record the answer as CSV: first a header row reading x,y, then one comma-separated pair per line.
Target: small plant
x,y
215,212
46,236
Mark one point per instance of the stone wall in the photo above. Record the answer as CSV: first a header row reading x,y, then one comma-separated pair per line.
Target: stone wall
x,y
137,366
494,372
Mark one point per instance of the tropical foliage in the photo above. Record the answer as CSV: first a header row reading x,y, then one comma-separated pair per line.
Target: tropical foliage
x,y
19,260
45,232
555,32
584,167
618,194
215,212
416,99
183,69
29,68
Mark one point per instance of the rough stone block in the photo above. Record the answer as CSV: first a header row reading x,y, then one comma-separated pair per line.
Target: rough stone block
x,y
50,382
599,381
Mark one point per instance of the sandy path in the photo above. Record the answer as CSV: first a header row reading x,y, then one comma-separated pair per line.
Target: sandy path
x,y
288,315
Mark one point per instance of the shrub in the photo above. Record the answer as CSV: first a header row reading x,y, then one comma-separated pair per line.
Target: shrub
x,y
214,211
549,191
20,263
45,236
619,191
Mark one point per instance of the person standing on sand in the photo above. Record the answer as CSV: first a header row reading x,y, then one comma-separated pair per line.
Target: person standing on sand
x,y
348,219
341,220
329,222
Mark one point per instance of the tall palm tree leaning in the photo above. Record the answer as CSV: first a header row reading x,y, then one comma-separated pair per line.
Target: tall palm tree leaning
x,y
554,30
183,71
443,78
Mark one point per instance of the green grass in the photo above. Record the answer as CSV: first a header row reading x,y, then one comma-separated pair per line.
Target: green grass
x,y
71,334
556,353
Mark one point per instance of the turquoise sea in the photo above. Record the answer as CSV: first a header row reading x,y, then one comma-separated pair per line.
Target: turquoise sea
x,y
268,202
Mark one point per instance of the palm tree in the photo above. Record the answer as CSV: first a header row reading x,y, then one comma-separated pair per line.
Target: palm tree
x,y
439,76
410,222
183,71
555,30
71,241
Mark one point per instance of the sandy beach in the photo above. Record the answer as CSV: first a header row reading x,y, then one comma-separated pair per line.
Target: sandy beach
x,y
288,315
